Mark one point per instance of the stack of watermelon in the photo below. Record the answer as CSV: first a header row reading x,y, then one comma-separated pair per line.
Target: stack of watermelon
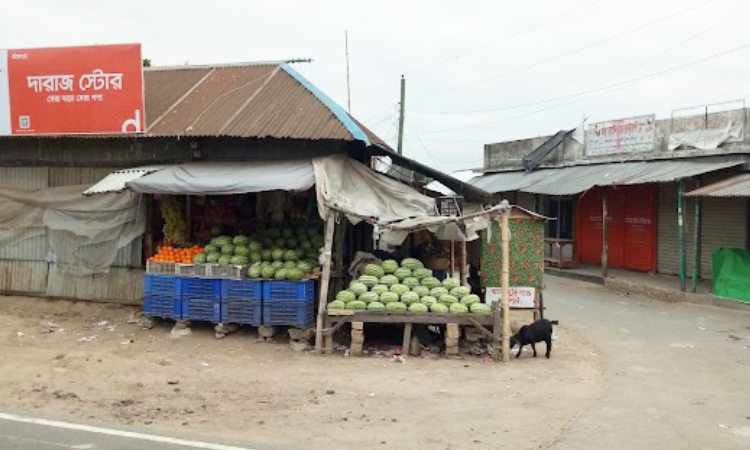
x,y
286,254
407,287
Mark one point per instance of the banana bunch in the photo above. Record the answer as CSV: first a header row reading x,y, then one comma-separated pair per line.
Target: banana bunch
x,y
175,226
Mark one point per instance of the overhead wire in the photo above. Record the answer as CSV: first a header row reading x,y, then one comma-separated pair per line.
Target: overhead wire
x,y
555,58
506,38
604,90
554,99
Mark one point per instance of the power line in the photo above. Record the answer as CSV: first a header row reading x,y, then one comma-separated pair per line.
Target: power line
x,y
606,89
550,100
429,154
506,38
480,48
555,58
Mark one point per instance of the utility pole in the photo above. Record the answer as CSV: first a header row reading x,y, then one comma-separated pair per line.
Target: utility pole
x,y
401,117
348,85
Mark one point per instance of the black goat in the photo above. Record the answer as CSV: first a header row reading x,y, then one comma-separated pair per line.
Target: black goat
x,y
539,331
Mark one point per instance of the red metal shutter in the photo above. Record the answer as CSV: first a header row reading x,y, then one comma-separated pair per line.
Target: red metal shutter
x,y
640,227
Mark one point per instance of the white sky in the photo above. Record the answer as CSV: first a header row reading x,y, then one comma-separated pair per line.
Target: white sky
x,y
459,57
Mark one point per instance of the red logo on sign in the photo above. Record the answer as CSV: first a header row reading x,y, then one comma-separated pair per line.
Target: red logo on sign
x,y
76,90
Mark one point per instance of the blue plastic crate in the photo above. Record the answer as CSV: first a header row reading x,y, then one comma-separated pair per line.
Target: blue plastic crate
x,y
289,290
292,313
244,312
202,310
241,290
201,289
162,286
163,307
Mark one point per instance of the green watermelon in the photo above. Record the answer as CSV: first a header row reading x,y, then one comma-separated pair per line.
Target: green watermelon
x,y
470,299
240,240
458,308
291,255
389,280
399,289
402,273
369,297
447,299
439,308
438,291
460,291
286,233
200,258
227,249
294,274
241,250
396,307
280,275
409,298
255,272
418,308
379,289
375,306
388,297
346,296
278,255
255,246
213,257
277,265
304,266
273,233
268,272
356,305
422,291
412,263
450,283
389,266
336,305
430,282
238,260
421,274
256,257
211,248
480,308
428,300
374,270
224,260
368,280
267,255
410,282
290,265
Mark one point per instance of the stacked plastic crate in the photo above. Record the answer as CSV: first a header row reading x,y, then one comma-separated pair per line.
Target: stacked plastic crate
x,y
242,302
163,297
289,303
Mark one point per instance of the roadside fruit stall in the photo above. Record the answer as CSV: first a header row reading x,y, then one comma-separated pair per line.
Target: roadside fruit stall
x,y
408,293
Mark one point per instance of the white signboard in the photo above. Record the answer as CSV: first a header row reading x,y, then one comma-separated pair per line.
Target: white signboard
x,y
520,297
622,136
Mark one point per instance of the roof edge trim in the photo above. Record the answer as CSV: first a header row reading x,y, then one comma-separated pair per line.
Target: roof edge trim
x,y
356,132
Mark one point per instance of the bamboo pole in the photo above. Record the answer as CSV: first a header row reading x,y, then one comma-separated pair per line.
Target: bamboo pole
x,y
325,280
505,244
681,233
463,271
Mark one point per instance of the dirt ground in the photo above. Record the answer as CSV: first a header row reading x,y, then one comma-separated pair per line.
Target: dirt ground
x,y
89,361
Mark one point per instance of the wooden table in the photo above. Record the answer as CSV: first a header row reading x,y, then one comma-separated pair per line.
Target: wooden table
x,y
336,319
560,244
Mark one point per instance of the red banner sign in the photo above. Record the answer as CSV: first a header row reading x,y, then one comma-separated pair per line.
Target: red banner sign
x,y
71,90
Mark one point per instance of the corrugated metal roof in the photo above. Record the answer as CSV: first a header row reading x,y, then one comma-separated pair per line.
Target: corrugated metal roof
x,y
737,186
577,179
269,100
116,181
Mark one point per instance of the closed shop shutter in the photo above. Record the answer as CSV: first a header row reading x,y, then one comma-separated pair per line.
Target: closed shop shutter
x,y
632,225
589,228
640,227
667,244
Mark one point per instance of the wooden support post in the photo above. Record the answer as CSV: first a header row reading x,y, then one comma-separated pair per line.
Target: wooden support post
x,y
605,236
453,260
406,343
505,283
452,334
339,239
681,234
463,271
483,330
358,338
325,280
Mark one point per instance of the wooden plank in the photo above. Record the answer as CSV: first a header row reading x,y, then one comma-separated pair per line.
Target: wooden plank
x,y
326,279
407,338
329,335
341,312
424,319
484,330
329,331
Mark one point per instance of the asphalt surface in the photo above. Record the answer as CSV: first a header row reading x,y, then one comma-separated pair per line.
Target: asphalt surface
x,y
677,375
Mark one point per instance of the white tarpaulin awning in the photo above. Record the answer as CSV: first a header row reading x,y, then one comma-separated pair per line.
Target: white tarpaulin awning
x,y
359,192
226,178
342,184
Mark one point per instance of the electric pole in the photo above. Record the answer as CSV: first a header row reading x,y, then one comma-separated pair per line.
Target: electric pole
x,y
401,117
348,88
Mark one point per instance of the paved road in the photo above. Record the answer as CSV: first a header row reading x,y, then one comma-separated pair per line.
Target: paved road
x,y
677,375
21,432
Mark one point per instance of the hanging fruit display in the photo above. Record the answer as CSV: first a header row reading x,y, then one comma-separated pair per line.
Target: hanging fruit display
x,y
175,226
